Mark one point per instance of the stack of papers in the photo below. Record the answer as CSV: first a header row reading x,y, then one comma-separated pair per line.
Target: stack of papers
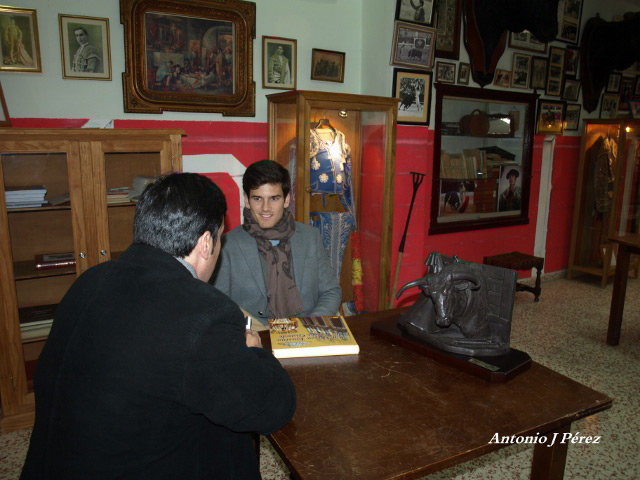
x,y
25,197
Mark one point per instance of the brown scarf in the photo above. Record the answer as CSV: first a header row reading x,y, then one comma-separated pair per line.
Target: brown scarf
x,y
282,293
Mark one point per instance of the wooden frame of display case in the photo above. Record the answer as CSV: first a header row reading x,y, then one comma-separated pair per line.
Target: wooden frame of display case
x,y
369,124
493,131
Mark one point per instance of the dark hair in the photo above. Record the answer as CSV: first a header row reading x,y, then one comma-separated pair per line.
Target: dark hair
x,y
83,30
266,171
176,210
513,172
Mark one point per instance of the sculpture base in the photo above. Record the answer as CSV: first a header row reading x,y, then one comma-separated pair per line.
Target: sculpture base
x,y
492,369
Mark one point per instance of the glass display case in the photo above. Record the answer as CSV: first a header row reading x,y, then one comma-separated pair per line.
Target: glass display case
x,y
482,158
340,151
607,195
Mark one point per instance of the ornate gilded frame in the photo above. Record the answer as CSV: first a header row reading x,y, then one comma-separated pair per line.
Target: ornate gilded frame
x,y
162,35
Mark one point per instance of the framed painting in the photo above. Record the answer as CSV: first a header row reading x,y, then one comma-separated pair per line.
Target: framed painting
x,y
327,65
413,89
538,77
20,47
5,119
572,116
550,117
85,48
502,78
190,57
413,45
279,63
525,40
613,83
415,11
521,70
569,14
445,72
571,89
448,28
464,70
609,105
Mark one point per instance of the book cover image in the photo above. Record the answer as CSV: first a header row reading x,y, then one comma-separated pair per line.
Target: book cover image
x,y
311,337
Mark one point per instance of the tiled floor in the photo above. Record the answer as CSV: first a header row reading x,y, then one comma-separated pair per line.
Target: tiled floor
x,y
565,331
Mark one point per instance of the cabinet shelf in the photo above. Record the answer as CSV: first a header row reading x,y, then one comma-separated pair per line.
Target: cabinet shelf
x,y
26,270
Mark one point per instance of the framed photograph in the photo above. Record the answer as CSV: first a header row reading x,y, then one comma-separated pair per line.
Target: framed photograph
x,y
609,105
189,57
556,71
634,109
569,13
464,70
448,28
613,84
279,63
538,77
550,117
572,116
526,41
5,119
327,65
415,11
502,78
413,88
510,188
627,88
413,45
636,88
445,72
20,47
571,89
571,63
521,70
84,47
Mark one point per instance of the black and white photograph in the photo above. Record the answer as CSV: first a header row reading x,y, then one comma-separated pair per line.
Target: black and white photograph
x,y
413,89
464,70
613,84
279,63
502,78
572,116
415,11
521,70
569,13
84,42
445,72
609,105
413,46
538,78
571,89
525,40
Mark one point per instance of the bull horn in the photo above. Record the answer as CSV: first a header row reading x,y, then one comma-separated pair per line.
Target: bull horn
x,y
469,277
416,283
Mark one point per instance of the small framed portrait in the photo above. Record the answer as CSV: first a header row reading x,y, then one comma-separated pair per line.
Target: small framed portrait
x,y
538,77
415,11
510,188
521,70
571,89
464,70
85,48
613,83
571,61
572,116
525,40
413,89
609,105
445,72
19,47
327,65
502,78
627,88
413,46
5,119
279,63
550,117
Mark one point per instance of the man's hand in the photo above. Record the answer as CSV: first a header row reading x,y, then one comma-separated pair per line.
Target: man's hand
x,y
253,339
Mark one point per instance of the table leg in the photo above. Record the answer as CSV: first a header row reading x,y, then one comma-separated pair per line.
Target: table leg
x,y
538,289
550,457
617,298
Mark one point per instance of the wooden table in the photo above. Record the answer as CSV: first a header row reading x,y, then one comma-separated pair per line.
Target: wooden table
x,y
627,245
392,413
520,261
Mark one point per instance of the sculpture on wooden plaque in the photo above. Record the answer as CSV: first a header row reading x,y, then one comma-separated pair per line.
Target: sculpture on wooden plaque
x,y
465,308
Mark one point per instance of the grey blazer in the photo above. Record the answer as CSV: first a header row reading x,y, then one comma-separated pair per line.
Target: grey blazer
x,y
240,273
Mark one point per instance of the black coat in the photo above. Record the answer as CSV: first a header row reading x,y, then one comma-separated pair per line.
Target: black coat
x,y
146,375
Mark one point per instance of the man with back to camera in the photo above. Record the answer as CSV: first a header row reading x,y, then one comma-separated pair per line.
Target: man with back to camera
x,y
273,266
148,372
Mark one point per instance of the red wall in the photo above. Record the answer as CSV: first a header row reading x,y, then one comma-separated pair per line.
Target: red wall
x,y
247,142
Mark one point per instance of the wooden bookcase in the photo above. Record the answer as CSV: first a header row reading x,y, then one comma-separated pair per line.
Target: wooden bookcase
x,y
369,126
84,163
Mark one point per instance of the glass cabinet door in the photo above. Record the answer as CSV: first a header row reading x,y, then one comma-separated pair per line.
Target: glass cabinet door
x,y
482,158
